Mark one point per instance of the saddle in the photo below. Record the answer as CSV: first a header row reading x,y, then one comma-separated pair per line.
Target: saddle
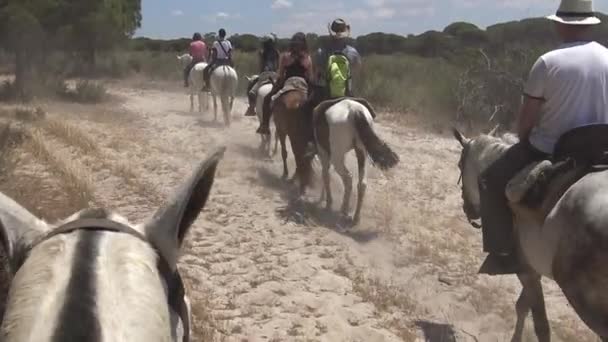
x,y
578,152
325,105
291,84
218,63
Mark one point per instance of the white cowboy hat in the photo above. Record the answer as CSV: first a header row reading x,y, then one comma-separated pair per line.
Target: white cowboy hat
x,y
339,28
575,12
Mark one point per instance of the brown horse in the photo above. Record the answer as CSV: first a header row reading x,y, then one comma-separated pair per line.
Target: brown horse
x,y
290,120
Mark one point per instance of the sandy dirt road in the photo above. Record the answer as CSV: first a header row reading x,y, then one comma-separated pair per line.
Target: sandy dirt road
x,y
262,267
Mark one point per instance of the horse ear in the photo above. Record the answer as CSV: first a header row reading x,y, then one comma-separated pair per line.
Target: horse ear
x,y
460,137
494,130
18,230
170,224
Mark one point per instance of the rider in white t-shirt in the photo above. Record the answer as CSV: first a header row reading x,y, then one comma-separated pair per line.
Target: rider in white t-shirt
x,y
567,88
221,54
223,49
571,81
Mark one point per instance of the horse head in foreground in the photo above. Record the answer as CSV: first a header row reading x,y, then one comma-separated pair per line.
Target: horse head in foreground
x,y
96,277
560,220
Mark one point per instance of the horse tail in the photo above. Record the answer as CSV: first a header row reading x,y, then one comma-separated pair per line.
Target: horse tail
x,y
381,154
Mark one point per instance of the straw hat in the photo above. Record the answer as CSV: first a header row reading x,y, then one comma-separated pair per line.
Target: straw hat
x,y
339,28
575,12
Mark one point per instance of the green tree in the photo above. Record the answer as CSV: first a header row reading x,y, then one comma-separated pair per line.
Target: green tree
x,y
24,27
97,25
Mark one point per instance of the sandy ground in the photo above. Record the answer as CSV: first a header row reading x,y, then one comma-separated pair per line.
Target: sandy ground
x,y
262,267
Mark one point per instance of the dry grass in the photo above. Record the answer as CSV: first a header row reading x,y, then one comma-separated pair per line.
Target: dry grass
x,y
77,182
388,300
73,136
386,297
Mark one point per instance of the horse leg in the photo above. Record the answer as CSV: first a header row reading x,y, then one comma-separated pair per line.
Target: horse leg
x,y
276,142
282,137
362,187
347,181
268,143
531,298
200,102
214,108
326,191
226,109
191,102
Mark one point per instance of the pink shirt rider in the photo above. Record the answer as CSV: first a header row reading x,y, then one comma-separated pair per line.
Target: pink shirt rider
x,y
198,50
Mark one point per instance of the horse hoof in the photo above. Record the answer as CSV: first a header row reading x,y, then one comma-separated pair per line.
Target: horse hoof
x,y
345,222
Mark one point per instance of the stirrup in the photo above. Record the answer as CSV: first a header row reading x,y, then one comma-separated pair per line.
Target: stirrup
x,y
249,112
263,130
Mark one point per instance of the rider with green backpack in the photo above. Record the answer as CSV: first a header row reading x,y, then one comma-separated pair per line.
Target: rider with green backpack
x,y
333,70
336,62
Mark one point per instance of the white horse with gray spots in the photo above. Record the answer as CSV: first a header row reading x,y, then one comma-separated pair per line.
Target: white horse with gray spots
x,y
98,278
195,79
341,126
563,237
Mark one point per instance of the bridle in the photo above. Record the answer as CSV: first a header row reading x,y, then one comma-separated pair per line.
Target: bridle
x,y
175,285
467,207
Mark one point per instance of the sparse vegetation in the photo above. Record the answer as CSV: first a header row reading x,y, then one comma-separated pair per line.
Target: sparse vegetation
x,y
76,180
88,92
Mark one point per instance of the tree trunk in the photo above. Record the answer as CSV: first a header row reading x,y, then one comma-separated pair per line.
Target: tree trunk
x,y
21,74
91,60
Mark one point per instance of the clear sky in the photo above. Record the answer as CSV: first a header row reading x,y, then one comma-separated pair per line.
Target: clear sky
x,y
180,18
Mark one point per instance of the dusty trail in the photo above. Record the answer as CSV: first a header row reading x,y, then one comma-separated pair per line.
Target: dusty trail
x,y
262,268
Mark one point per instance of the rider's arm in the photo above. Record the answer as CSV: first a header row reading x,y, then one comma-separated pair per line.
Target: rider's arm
x,y
229,49
534,90
281,71
318,65
529,116
357,64
309,69
261,61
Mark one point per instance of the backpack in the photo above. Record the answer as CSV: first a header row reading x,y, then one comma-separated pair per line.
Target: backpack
x,y
338,74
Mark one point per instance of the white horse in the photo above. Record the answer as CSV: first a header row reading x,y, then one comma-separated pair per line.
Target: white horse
x,y
345,125
569,245
95,276
224,81
266,139
195,79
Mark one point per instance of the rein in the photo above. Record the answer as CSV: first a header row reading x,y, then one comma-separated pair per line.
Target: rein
x,y
467,207
175,285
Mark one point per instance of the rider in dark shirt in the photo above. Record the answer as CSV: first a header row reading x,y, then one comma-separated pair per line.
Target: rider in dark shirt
x,y
269,63
294,63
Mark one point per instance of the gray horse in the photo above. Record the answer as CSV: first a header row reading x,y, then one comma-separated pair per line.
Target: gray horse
x,y
567,243
97,278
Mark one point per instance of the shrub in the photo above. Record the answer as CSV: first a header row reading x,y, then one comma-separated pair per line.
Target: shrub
x,y
89,92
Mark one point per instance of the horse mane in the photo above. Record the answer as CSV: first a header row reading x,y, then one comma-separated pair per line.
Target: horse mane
x,y
488,148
